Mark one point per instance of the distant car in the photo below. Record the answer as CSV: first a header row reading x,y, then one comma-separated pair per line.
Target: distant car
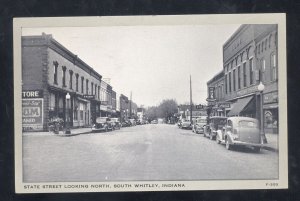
x,y
240,131
214,123
138,122
133,122
102,124
179,123
187,124
154,121
198,124
126,124
115,123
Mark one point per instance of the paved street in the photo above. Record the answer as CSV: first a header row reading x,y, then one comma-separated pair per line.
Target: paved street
x,y
145,152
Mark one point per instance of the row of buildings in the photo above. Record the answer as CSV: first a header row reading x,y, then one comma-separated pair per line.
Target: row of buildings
x,y
250,59
57,84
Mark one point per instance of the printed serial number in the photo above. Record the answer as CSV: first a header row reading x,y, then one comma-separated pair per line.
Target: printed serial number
x,y
271,184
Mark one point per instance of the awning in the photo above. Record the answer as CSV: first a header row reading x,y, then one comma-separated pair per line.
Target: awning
x,y
239,106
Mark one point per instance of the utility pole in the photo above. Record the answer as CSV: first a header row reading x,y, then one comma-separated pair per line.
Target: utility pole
x,y
191,101
130,104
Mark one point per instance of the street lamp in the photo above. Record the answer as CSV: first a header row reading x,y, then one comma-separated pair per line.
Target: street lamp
x,y
261,88
68,131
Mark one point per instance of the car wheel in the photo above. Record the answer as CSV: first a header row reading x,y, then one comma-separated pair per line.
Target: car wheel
x,y
218,140
257,149
228,146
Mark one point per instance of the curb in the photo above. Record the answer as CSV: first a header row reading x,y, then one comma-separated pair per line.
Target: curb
x,y
270,149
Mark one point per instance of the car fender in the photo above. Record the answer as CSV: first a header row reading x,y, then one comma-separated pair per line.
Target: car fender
x,y
219,134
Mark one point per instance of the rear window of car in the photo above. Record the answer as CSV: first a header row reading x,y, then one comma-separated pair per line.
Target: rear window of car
x,y
101,120
248,124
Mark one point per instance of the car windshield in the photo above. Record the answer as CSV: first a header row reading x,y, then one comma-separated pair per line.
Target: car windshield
x,y
248,124
101,120
220,121
114,120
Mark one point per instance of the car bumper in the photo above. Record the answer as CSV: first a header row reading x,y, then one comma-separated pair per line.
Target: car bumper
x,y
247,144
98,129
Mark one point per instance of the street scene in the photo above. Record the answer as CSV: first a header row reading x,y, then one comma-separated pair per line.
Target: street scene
x,y
169,103
137,153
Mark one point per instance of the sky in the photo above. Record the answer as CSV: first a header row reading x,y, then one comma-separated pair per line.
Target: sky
x,y
152,62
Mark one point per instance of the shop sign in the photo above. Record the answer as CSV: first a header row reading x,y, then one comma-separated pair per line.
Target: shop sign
x,y
246,91
104,102
32,114
103,107
32,94
87,96
211,94
271,97
224,105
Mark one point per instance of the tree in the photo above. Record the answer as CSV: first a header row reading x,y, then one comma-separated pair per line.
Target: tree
x,y
167,108
151,113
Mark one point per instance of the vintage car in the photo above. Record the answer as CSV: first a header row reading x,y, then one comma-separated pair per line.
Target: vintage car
x,y
126,123
179,123
133,122
115,123
198,124
186,124
154,121
240,131
213,124
102,124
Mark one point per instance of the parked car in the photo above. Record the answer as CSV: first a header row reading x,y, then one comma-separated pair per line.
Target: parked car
x,y
214,123
115,123
179,123
186,124
133,122
198,124
126,124
102,124
240,131
154,121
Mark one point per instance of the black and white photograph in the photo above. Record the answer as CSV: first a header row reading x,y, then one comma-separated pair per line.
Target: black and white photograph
x,y
150,103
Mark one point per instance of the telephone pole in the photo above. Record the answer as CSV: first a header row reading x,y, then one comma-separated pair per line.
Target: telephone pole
x,y
130,104
191,101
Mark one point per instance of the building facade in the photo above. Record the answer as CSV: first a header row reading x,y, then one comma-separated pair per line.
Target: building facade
x,y
51,69
216,96
250,58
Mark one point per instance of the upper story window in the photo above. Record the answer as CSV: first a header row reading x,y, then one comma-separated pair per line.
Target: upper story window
x,y
274,67
262,69
64,76
244,74
226,81
77,75
239,77
87,86
251,71
95,90
229,82
55,66
99,92
71,79
92,88
234,82
82,82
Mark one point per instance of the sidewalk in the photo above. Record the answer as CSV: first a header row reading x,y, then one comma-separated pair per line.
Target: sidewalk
x,y
74,131
272,144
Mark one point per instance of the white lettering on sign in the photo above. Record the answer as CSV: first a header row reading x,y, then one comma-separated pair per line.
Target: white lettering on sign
x,y
31,112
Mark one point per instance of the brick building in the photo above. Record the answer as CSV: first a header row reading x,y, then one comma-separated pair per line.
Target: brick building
x,y
54,71
250,58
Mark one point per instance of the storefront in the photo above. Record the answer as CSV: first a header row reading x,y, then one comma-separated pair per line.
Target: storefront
x,y
270,107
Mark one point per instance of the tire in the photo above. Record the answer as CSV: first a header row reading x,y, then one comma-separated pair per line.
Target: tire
x,y
218,140
227,145
256,149
211,137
